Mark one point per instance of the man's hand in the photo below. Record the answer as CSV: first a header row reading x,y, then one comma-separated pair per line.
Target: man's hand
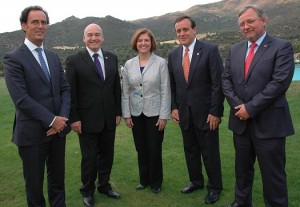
x,y
213,121
76,127
242,113
58,125
175,116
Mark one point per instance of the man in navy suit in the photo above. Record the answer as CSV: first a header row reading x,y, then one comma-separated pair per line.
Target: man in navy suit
x,y
42,102
197,105
259,113
95,111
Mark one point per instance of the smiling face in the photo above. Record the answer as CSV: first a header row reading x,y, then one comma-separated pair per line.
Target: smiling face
x,y
93,37
185,33
251,25
35,27
143,44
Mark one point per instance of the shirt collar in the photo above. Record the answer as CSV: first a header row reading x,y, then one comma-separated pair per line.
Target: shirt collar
x,y
259,41
92,52
31,46
191,47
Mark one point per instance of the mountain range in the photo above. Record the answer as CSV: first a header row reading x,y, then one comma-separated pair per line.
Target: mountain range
x,y
216,22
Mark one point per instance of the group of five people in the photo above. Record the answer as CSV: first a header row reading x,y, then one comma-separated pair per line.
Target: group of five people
x,y
189,88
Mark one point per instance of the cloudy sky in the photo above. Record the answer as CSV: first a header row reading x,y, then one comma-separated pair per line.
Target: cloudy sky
x,y
59,10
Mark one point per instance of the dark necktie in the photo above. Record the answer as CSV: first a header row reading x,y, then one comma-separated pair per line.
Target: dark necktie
x,y
43,63
98,65
186,64
249,59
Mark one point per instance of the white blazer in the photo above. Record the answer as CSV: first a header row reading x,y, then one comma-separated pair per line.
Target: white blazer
x,y
147,92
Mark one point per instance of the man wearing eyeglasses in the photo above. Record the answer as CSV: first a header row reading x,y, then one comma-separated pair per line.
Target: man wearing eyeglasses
x,y
257,74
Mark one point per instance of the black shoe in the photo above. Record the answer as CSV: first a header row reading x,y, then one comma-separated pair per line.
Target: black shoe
x,y
141,187
191,188
88,201
238,205
211,198
111,193
156,190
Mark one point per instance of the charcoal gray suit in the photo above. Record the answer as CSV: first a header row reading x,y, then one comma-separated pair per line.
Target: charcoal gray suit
x,y
195,99
263,134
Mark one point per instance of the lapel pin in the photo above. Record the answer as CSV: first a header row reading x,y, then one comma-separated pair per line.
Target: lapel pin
x,y
106,58
197,53
265,45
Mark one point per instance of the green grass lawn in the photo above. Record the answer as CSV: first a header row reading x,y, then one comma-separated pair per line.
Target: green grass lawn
x,y
124,175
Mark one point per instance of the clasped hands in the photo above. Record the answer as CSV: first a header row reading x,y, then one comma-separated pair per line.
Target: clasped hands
x,y
59,124
241,113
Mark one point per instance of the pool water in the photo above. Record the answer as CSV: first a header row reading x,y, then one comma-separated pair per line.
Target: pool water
x,y
296,73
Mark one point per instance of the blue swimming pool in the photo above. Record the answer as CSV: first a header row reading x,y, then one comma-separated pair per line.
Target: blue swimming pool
x,y
297,72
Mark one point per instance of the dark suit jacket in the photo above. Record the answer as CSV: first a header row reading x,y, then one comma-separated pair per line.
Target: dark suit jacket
x,y
203,92
263,91
37,100
94,102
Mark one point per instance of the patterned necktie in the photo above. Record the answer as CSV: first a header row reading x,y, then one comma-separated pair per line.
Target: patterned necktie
x,y
98,65
249,59
186,64
43,63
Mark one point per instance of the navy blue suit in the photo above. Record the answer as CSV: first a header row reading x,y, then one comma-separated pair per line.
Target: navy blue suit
x,y
37,102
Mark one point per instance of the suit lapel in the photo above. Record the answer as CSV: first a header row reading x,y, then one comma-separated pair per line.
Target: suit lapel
x,y
87,58
149,63
241,57
195,59
106,61
36,66
260,51
178,63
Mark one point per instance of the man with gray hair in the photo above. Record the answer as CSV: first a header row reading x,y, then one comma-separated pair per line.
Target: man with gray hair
x,y
257,74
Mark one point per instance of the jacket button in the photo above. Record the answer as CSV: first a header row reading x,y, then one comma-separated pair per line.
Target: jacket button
x,y
141,95
141,84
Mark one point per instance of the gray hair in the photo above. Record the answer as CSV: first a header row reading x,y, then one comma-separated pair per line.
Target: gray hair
x,y
260,12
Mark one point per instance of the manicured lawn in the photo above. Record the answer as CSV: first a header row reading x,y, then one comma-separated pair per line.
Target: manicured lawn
x,y
124,176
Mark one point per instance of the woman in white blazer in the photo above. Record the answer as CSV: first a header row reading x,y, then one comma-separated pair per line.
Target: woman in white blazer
x,y
146,102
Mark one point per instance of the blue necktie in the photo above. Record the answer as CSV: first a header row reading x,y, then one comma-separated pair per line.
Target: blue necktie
x,y
97,62
43,63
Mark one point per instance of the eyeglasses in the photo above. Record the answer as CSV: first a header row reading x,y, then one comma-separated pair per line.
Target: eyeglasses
x,y
248,22
37,22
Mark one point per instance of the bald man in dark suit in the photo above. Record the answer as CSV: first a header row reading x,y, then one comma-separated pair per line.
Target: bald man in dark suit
x,y
95,111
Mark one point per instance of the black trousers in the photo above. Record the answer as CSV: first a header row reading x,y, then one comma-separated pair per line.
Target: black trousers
x,y
97,150
34,159
148,143
270,154
203,144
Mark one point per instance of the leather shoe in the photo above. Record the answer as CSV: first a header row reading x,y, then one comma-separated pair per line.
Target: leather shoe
x,y
88,201
112,194
191,188
141,187
238,205
211,198
156,190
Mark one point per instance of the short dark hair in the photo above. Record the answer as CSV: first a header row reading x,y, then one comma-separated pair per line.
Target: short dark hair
x,y
136,37
25,12
193,24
